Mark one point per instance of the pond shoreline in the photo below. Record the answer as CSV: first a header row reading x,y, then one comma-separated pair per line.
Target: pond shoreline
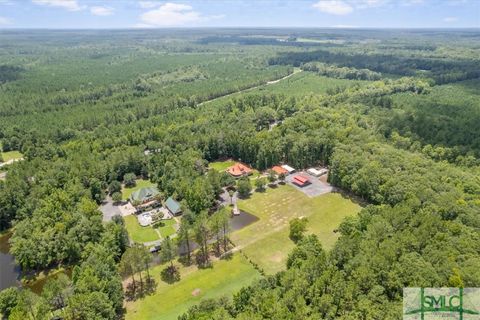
x,y
10,272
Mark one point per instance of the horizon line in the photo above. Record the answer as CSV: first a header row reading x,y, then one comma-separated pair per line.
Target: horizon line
x,y
3,28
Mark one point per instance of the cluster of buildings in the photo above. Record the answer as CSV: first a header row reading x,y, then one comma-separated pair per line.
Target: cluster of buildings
x,y
147,202
240,170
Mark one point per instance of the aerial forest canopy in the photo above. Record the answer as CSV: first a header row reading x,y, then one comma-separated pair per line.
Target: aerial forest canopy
x,y
395,119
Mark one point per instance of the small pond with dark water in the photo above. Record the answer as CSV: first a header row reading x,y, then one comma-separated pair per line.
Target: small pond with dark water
x,y
236,223
9,271
242,220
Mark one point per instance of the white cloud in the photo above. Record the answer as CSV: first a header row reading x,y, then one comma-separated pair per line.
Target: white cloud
x,y
101,11
450,19
148,4
70,5
172,14
4,21
336,7
369,3
409,3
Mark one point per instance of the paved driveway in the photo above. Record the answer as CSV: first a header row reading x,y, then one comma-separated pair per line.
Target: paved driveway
x,y
314,189
225,198
126,209
109,209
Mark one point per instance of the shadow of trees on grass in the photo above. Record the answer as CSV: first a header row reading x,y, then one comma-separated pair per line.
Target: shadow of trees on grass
x,y
139,289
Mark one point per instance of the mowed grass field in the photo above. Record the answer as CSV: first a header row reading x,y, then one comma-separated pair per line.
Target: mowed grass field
x,y
307,83
171,300
138,233
266,241
126,192
168,229
221,165
11,155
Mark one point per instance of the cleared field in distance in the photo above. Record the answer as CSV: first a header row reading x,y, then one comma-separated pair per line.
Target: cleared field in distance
x,y
171,300
266,241
221,165
305,83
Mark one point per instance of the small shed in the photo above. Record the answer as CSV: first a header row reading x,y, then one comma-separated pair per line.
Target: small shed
x,y
279,170
173,206
288,168
317,173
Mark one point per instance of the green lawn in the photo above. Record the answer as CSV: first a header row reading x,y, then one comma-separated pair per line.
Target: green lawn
x,y
10,155
168,229
266,241
221,165
126,192
138,233
170,301
307,83
255,174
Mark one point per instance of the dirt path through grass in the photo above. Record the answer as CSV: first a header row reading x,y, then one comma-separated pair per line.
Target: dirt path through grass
x,y
268,83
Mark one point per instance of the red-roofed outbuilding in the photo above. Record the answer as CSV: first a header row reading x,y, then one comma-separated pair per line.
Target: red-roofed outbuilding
x,y
301,181
279,170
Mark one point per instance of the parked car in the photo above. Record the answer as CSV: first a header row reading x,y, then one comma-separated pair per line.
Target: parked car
x,y
155,249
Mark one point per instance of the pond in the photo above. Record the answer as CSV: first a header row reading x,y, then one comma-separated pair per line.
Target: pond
x,y
242,220
9,272
236,223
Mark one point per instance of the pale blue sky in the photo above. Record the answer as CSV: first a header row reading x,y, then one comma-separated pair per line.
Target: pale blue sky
x,y
237,13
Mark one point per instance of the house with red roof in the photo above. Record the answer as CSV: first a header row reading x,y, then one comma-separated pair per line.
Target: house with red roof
x,y
239,170
300,181
279,170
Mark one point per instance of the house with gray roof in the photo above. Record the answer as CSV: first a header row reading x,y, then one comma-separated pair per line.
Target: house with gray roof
x,y
144,195
173,206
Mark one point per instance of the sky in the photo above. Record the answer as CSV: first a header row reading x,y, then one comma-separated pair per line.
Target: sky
x,y
106,14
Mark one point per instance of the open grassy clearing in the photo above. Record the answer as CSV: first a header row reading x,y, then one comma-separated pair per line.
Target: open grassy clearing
x,y
170,301
266,242
221,165
271,252
168,229
306,83
138,233
300,84
126,192
11,155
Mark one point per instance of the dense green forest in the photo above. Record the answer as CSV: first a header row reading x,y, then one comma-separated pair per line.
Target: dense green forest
x,y
396,119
